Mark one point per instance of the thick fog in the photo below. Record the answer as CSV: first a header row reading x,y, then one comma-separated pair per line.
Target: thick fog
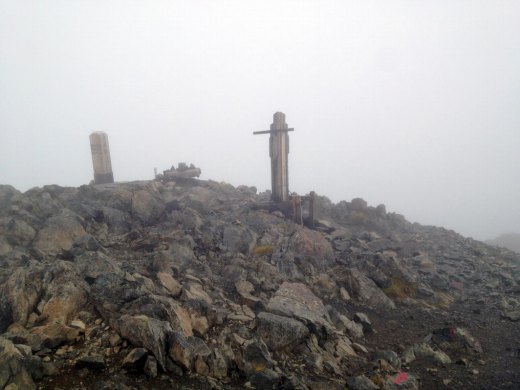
x,y
414,104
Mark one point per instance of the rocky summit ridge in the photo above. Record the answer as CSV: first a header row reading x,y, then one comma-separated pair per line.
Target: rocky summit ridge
x,y
186,284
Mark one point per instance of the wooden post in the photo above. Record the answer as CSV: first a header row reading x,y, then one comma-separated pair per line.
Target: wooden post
x,y
101,158
279,153
311,209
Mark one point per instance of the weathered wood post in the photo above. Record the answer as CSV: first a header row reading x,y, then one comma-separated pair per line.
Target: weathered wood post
x,y
101,158
279,153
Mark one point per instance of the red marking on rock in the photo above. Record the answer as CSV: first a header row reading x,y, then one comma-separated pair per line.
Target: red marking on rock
x,y
401,378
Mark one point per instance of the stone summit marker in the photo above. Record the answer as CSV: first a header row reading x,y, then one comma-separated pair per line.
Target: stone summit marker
x,y
101,158
279,153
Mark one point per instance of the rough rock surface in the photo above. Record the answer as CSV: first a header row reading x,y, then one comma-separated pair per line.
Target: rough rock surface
x,y
182,283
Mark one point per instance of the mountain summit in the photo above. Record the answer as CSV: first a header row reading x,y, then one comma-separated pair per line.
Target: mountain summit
x,y
193,284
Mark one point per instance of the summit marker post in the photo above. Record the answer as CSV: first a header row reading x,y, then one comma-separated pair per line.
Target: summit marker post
x,y
279,153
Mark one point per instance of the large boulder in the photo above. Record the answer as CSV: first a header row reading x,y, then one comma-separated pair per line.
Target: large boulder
x,y
59,233
296,300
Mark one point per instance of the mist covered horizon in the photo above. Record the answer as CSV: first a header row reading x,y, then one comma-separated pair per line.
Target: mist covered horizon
x,y
412,105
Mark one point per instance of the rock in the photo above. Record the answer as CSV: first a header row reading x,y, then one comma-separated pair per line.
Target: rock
x,y
266,379
344,294
93,362
114,339
401,381
195,292
54,335
59,233
297,300
145,332
19,232
218,365
361,382
456,339
146,207
13,370
19,294
364,289
169,283
199,324
388,356
185,350
513,315
150,367
244,289
238,239
425,351
343,348
363,319
78,324
279,332
255,357
135,358
358,204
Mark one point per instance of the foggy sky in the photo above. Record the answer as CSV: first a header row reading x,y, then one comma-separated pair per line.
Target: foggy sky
x,y
414,104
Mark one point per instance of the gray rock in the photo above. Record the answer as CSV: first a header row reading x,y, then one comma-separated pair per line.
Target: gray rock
x,y
266,379
390,357
255,357
135,358
364,289
297,300
146,207
363,319
59,233
145,332
12,367
401,381
238,239
279,332
361,382
425,351
93,362
513,315
184,351
150,367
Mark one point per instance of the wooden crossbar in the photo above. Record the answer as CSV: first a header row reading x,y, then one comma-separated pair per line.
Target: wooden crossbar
x,y
273,131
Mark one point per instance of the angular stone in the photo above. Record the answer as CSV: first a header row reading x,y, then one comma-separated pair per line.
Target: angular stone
x,y
297,300
150,367
279,332
59,233
195,292
135,358
146,332
54,335
169,283
255,357
185,350
244,289
12,367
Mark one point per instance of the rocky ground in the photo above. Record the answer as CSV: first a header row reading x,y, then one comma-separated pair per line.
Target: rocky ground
x,y
191,285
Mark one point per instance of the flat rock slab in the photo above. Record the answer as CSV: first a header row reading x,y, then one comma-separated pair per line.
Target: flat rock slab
x,y
297,300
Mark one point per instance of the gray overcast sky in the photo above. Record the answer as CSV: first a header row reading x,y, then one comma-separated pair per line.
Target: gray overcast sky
x,y
414,104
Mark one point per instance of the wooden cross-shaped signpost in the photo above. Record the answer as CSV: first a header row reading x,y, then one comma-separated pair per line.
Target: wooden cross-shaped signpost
x,y
279,153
